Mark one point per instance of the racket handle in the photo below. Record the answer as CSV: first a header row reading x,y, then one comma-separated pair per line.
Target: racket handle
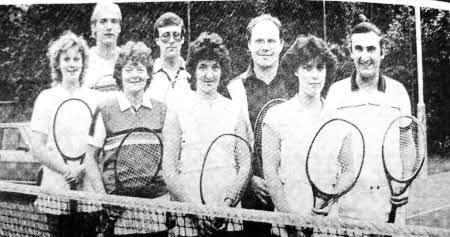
x,y
392,214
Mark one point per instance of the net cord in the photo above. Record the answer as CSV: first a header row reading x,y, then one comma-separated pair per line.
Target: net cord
x,y
341,225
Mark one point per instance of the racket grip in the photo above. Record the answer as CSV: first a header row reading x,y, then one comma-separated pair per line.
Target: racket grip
x,y
392,214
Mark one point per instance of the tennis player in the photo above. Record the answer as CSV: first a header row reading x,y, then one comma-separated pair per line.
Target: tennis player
x,y
290,127
69,59
262,82
371,100
105,27
117,115
169,72
192,126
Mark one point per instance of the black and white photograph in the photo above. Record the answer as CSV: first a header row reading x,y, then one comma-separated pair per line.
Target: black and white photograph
x,y
225,118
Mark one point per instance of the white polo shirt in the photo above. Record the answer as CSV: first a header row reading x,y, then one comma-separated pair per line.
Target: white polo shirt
x,y
371,112
165,87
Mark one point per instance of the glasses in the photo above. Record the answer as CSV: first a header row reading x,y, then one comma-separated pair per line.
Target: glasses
x,y
166,36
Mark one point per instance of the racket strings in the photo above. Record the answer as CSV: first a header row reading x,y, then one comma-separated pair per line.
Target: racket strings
x,y
335,157
226,170
259,123
411,152
137,164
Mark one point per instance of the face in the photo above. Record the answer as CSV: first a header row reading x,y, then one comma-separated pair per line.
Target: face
x,y
311,77
265,44
107,27
366,54
134,77
208,74
71,64
170,41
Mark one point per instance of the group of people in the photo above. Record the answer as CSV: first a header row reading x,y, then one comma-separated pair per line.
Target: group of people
x,y
192,102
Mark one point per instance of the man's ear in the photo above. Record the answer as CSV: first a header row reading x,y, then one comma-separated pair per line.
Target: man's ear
x,y
92,30
383,51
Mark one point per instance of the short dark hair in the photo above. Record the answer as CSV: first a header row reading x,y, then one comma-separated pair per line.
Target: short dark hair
x,y
209,46
168,19
261,18
303,50
136,52
366,27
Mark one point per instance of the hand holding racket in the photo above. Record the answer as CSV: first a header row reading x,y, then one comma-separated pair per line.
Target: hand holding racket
x,y
71,128
403,152
224,175
334,162
71,125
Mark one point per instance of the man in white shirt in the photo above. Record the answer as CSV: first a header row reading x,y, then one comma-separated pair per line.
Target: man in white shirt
x,y
371,101
169,70
105,26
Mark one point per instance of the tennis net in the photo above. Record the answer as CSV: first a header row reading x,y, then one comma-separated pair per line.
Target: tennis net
x,y
21,216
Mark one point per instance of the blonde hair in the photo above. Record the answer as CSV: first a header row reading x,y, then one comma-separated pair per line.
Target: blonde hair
x,y
100,7
57,47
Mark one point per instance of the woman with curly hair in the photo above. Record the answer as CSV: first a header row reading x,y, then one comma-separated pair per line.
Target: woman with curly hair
x,y
68,56
289,127
191,126
114,117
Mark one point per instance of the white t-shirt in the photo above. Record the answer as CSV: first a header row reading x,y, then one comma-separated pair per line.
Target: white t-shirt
x,y
371,112
99,68
44,111
294,129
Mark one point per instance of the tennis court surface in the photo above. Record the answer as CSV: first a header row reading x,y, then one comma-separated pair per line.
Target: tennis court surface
x,y
429,203
19,217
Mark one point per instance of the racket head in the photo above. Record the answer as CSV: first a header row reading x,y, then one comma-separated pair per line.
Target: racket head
x,y
403,149
334,160
225,171
106,83
138,160
71,125
259,122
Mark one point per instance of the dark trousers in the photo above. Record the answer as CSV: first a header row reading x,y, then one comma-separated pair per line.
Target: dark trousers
x,y
74,225
251,201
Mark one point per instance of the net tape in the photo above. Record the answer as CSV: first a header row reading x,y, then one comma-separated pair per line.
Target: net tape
x,y
18,218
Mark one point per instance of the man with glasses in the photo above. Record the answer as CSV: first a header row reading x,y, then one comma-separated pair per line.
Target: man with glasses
x,y
261,83
169,70
105,27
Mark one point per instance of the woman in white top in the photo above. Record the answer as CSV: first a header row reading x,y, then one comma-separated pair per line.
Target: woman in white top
x,y
192,124
289,127
68,56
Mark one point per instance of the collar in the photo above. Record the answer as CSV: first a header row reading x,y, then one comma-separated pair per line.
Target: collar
x,y
125,104
251,73
381,87
157,65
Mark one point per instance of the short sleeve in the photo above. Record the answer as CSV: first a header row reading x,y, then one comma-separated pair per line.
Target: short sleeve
x,y
405,103
97,133
41,117
330,104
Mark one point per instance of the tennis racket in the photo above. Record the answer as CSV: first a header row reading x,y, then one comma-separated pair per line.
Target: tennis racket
x,y
334,162
138,160
403,152
106,83
259,122
71,125
225,173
